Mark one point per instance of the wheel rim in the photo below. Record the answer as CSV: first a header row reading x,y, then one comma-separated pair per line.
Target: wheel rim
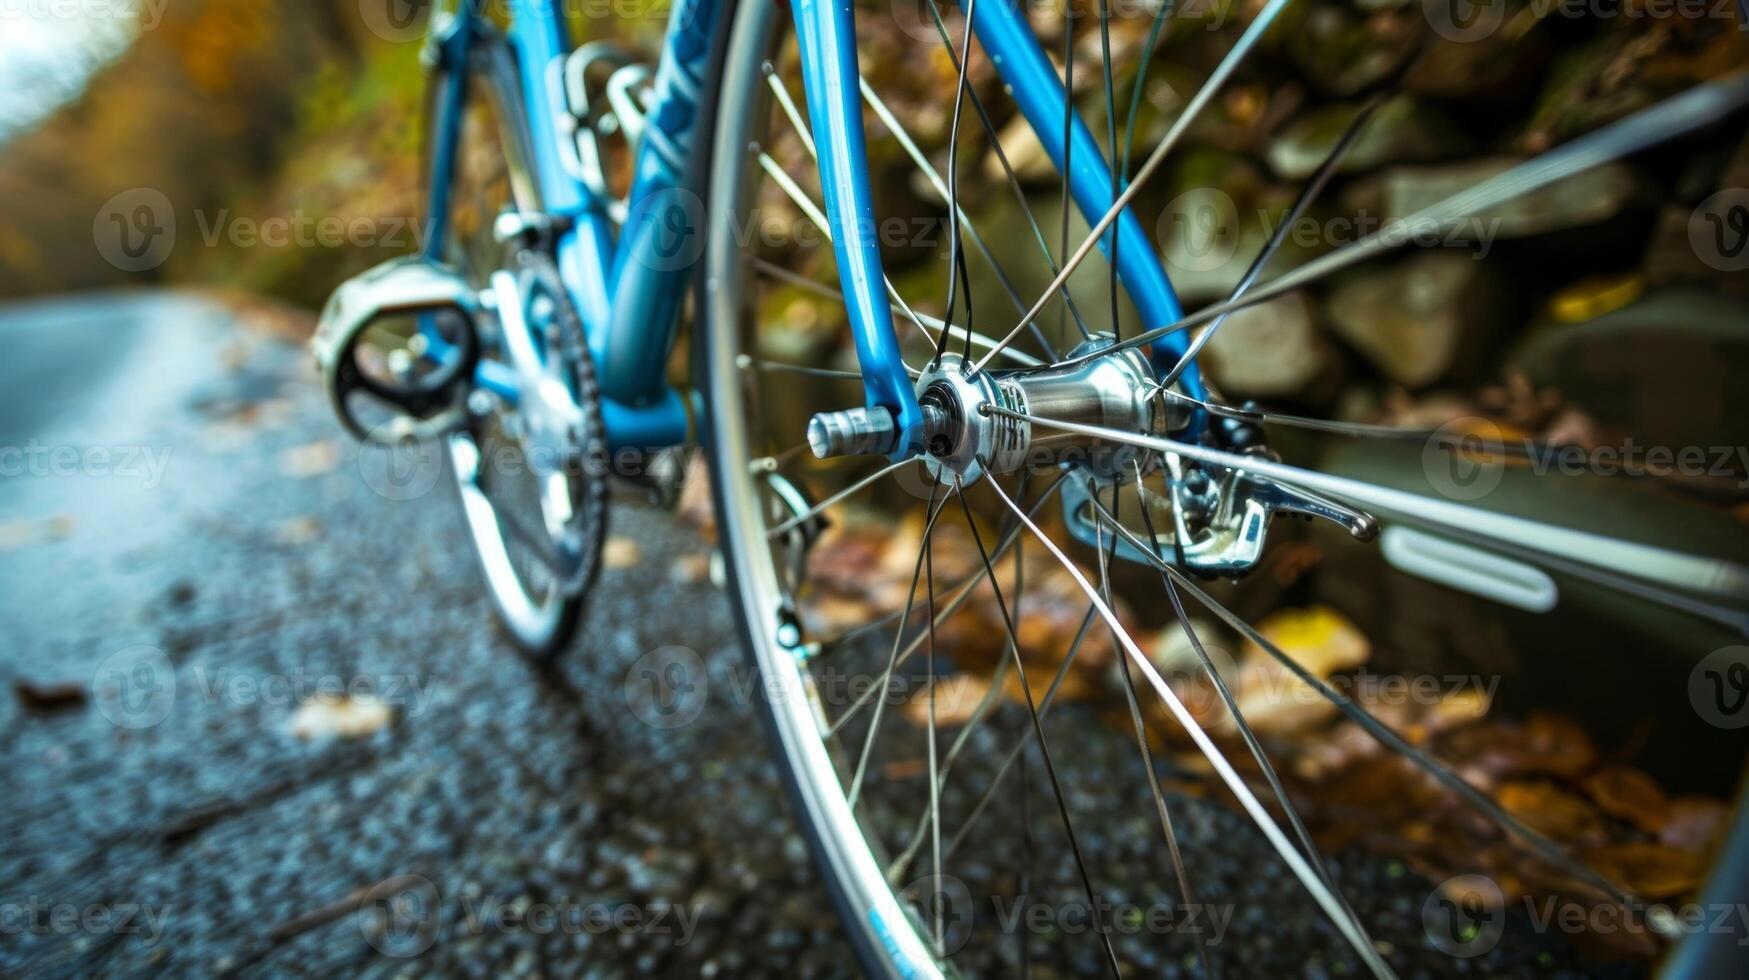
x,y
750,509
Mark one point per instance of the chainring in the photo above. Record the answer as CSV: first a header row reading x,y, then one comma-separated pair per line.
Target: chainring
x,y
574,558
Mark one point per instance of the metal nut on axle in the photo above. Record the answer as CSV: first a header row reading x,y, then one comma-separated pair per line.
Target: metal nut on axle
x,y
852,432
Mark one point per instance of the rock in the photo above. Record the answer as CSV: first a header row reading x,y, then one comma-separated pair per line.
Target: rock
x,y
1629,68
1271,350
1420,320
1215,223
1577,201
1343,52
1465,67
1662,367
1403,130
1025,154
1176,659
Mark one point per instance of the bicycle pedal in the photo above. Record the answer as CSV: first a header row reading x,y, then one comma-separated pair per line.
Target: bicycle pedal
x,y
396,347
659,476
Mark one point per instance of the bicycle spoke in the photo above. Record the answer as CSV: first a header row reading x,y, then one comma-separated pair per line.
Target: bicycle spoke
x,y
1204,95
1313,189
1066,201
1013,180
992,694
1148,46
956,260
1358,429
1222,767
827,292
875,725
1135,709
934,775
1111,151
1246,734
1700,106
1645,570
959,599
746,363
801,200
815,510
923,165
1039,732
1020,744
1547,849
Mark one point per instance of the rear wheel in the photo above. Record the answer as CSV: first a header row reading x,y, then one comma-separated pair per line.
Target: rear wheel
x,y
902,807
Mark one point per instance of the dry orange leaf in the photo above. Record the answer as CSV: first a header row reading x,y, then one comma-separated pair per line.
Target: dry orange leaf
x,y
1630,795
1649,870
1545,807
956,699
1319,639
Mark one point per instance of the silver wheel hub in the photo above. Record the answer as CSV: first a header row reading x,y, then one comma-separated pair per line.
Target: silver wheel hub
x,y
970,424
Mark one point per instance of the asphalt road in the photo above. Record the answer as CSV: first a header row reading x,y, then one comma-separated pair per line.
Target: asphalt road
x,y
188,549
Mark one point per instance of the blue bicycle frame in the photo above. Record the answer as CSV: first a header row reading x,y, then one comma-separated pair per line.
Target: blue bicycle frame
x,y
628,281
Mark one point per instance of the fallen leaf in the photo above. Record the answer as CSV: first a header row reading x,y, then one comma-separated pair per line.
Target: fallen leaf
x,y
691,569
340,717
695,506
1319,639
1545,807
1648,870
1694,823
827,614
620,552
905,769
310,459
15,535
1628,794
298,531
956,699
51,696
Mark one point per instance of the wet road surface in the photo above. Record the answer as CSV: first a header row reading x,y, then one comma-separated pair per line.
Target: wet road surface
x,y
171,600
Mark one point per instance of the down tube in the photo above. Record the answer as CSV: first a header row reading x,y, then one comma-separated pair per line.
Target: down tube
x,y
1038,92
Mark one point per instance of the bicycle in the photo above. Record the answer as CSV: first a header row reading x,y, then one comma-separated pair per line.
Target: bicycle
x,y
542,320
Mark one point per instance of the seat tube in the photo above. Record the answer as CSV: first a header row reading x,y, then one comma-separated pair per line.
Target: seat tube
x,y
826,32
